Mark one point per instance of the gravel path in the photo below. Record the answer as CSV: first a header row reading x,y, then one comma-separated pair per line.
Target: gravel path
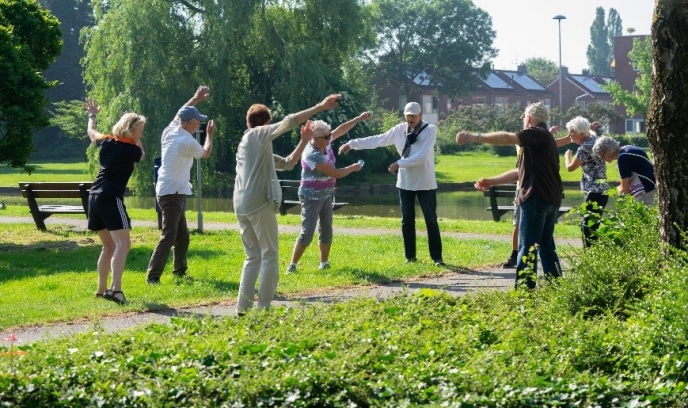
x,y
457,281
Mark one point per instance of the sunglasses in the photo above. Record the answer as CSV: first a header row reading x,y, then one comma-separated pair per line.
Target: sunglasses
x,y
327,136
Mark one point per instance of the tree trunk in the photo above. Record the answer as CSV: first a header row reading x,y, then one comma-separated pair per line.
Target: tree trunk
x,y
667,119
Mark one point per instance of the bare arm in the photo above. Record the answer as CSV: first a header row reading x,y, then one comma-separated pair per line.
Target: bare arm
x,y
493,138
563,141
331,171
202,93
306,135
571,164
208,145
328,103
93,111
484,183
342,129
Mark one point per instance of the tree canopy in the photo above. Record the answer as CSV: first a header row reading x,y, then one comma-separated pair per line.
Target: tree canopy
x,y
446,42
638,100
29,42
600,51
543,70
149,56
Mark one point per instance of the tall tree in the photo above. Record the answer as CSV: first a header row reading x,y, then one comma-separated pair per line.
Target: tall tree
x,y
543,70
667,119
599,50
150,55
448,40
29,42
638,100
614,29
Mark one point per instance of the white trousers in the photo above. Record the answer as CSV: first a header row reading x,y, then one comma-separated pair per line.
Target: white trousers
x,y
259,235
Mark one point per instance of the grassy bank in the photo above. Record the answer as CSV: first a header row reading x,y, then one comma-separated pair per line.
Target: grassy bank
x,y
47,277
612,333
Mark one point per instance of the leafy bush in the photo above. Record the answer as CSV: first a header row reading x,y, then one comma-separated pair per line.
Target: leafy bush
x,y
612,332
614,273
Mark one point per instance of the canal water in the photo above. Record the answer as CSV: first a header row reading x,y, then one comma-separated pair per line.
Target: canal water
x,y
466,205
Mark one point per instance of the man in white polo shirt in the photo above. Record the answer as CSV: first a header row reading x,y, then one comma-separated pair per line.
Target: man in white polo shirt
x,y
179,148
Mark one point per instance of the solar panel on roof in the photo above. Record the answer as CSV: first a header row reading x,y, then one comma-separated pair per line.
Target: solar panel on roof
x,y
495,82
589,83
525,81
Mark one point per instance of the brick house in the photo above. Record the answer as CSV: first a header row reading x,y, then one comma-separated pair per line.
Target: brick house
x,y
581,89
625,74
504,87
500,88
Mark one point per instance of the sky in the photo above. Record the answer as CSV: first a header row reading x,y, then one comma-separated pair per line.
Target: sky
x,y
514,22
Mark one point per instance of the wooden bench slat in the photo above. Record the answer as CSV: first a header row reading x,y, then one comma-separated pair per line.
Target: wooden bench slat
x,y
290,196
507,191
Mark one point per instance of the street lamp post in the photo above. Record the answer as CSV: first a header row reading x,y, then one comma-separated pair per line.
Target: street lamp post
x,y
561,76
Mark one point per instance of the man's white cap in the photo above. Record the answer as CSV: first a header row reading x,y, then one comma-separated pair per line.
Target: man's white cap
x,y
412,108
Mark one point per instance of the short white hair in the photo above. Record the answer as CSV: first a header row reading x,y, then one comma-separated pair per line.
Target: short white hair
x,y
578,125
606,145
320,128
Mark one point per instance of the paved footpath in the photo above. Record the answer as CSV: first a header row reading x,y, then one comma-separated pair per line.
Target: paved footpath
x,y
456,281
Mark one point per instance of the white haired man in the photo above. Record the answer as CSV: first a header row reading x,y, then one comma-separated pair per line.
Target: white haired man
x,y
540,191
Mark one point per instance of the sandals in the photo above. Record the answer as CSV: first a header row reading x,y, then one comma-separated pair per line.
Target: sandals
x,y
116,296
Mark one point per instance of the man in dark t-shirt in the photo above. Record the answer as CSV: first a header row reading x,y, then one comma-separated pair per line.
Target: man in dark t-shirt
x,y
540,190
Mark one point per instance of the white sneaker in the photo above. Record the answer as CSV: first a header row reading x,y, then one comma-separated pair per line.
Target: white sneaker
x,y
291,268
324,265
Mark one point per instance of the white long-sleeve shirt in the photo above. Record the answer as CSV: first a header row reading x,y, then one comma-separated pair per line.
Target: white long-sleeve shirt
x,y
256,182
417,171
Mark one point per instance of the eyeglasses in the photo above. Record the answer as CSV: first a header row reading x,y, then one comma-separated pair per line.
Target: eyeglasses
x,y
327,136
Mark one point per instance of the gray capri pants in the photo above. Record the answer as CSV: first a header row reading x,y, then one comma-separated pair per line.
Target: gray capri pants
x,y
311,212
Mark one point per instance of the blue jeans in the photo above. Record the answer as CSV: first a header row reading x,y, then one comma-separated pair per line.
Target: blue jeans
x,y
536,236
428,203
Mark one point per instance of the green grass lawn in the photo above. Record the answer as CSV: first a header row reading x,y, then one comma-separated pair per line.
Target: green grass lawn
x,y
68,170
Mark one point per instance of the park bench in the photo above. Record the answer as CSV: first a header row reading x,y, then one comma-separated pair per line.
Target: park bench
x,y
34,191
507,191
290,196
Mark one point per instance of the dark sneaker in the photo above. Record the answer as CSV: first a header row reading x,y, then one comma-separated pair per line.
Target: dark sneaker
x,y
410,260
439,262
510,263
153,281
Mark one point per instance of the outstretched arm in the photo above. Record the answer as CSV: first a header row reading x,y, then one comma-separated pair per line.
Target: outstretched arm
x,y
493,138
328,103
342,129
484,183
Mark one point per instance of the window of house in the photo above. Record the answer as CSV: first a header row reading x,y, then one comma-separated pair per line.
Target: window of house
x,y
581,104
479,101
547,103
635,125
449,104
500,103
459,103
429,104
402,102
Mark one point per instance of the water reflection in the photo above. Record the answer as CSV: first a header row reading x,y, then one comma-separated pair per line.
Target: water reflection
x,y
466,205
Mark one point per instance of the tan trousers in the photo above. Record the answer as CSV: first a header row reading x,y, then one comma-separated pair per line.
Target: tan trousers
x,y
259,235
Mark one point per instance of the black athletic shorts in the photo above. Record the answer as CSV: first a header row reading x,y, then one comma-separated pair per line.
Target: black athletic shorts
x,y
107,211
